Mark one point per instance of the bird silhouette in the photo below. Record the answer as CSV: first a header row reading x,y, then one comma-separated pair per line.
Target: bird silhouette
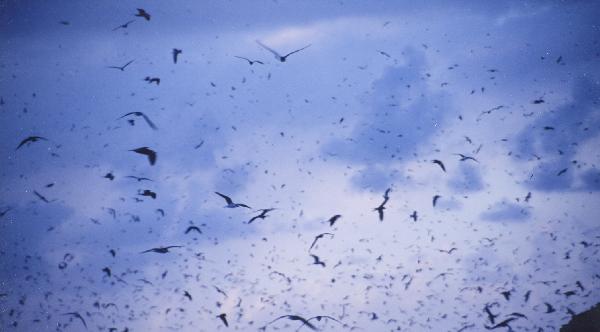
x,y
109,176
465,157
160,250
317,238
144,116
148,153
279,56
251,62
123,26
151,80
187,294
230,203
317,260
448,251
122,68
139,179
295,318
319,318
414,216
381,207
148,193
41,197
435,161
76,315
193,228
223,318
563,171
142,13
29,140
176,53
107,271
503,323
333,219
435,199
262,215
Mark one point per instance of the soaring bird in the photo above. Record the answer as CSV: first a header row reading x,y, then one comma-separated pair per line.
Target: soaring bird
x,y
148,193
109,176
435,199
563,171
142,13
122,68
435,161
448,251
123,26
320,236
223,318
251,62
193,228
295,318
76,315
40,196
333,219
176,53
144,116
465,157
151,80
381,207
148,153
414,216
262,215
187,294
279,56
30,140
318,318
317,260
139,179
230,203
160,250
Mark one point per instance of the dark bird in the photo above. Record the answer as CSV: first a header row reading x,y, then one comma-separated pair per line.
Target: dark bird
x,y
538,101
161,211
222,292
148,193
142,13
30,140
503,323
262,215
435,199
122,68
414,216
320,236
528,197
109,176
435,161
317,260
193,228
187,294
549,308
77,315
223,318
464,157
230,203
506,295
491,316
107,271
176,53
123,26
381,207
448,251
5,211
296,318
527,295
146,152
251,62
113,252
562,172
160,250
139,179
277,55
384,54
333,219
144,116
151,80
44,199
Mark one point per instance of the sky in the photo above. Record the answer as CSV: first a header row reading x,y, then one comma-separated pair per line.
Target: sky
x,y
504,95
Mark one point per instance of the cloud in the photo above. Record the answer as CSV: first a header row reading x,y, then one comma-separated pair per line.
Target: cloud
x,y
505,211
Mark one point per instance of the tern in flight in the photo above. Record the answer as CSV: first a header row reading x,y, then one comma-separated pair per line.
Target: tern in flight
x,y
333,219
317,238
123,26
381,207
230,203
279,56
30,140
251,62
77,315
176,53
435,161
262,215
223,318
150,123
464,157
122,68
148,153
160,250
435,199
296,318
317,260
143,13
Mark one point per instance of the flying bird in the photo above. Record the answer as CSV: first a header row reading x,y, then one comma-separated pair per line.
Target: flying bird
x,y
144,116
262,215
562,172
139,179
230,203
464,157
122,68
223,318
148,193
449,252
435,161
320,236
317,260
381,207
503,323
44,199
30,140
77,315
148,153
435,199
123,26
151,80
193,228
142,13
414,216
279,56
333,219
109,176
187,294
296,318
107,271
176,53
160,250
251,62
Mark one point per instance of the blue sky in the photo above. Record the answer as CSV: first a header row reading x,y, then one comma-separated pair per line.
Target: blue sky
x,y
384,89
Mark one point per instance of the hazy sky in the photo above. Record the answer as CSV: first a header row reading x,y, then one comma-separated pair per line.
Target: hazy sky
x,y
383,89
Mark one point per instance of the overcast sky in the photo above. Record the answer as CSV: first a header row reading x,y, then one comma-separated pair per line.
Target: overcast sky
x,y
383,89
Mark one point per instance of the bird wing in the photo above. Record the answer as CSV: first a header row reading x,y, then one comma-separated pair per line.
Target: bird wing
x,y
314,242
380,212
243,205
23,142
296,51
128,63
241,57
269,49
227,199
150,123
